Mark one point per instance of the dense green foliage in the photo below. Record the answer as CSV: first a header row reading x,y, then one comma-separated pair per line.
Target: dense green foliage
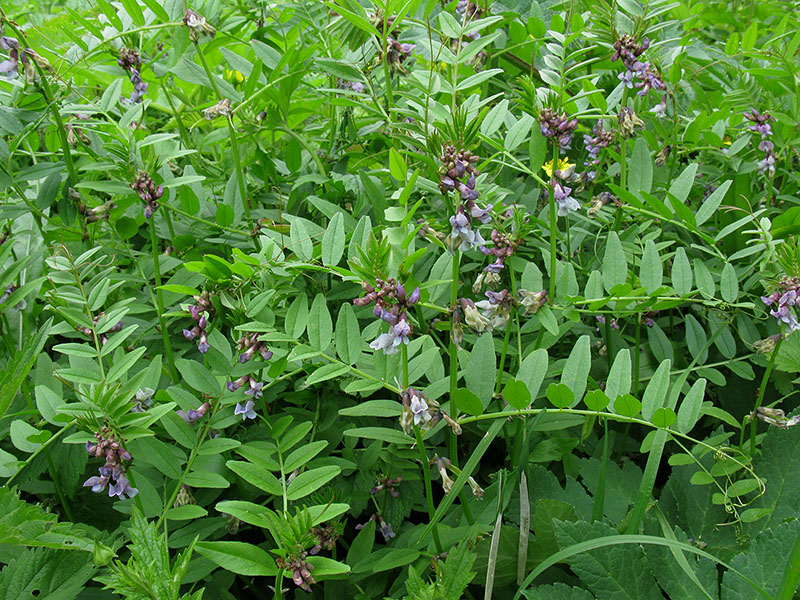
x,y
399,299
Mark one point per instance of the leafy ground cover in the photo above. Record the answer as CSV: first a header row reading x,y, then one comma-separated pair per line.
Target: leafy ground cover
x,y
399,299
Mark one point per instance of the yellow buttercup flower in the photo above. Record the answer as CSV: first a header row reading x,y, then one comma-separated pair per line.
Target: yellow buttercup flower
x,y
563,165
234,76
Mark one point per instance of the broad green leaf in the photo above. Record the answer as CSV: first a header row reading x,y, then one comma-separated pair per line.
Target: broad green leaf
x,y
704,279
348,335
320,325
297,316
560,395
532,371
696,339
467,402
18,366
656,391
615,267
301,242
711,204
309,482
516,394
481,369
257,476
681,273
495,118
651,271
326,372
640,176
300,456
689,410
682,184
729,283
197,376
239,557
618,381
576,370
397,166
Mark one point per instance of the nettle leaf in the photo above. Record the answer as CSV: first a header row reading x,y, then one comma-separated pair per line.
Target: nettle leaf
x,y
617,572
46,573
558,591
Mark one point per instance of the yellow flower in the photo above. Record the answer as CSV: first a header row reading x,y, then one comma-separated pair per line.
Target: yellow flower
x,y
234,76
563,165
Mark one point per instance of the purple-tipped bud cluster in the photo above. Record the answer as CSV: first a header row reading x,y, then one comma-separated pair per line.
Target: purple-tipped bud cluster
x,y
468,9
504,248
194,414
301,570
558,126
629,121
397,53
10,66
112,473
254,389
326,538
27,57
599,201
663,155
627,50
98,213
248,345
148,192
601,138
776,417
201,312
458,173
761,125
103,338
784,300
130,61
354,86
387,483
197,26
391,303
602,321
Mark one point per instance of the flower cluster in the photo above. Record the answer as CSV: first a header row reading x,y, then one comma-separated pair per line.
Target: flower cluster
x,y
301,570
629,121
599,202
422,412
776,417
387,483
147,191
532,301
557,126
458,172
98,213
565,203
220,109
129,60
629,52
761,125
786,298
112,473
600,138
10,66
602,321
391,303
326,538
200,312
468,9
384,528
90,331
443,465
197,26
194,414
397,53
248,345
355,86
504,248
254,389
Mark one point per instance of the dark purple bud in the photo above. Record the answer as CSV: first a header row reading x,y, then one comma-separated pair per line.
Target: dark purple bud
x,y
414,297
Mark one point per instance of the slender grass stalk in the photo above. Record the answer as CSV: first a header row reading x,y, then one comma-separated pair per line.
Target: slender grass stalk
x,y
524,527
600,492
495,545
791,573
173,372
62,498
426,472
553,231
761,391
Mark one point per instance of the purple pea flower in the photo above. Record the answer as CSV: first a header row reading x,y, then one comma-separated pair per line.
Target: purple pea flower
x,y
247,411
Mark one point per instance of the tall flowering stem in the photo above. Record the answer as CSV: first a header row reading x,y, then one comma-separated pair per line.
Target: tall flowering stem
x,y
426,470
162,324
761,391
553,232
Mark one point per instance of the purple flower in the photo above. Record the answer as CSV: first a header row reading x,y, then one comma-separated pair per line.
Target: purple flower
x,y
565,203
255,389
626,77
246,411
463,237
193,415
99,483
121,487
390,342
419,408
660,109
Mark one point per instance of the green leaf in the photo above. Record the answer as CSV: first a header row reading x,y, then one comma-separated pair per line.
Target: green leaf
x,y
20,364
348,335
73,349
656,391
373,408
477,79
711,204
681,273
257,476
326,372
596,400
532,371
696,339
397,166
320,325
615,267
627,406
640,176
495,118
560,395
618,381
239,557
197,376
576,370
390,436
333,241
309,482
689,411
467,402
120,368
297,316
516,394
206,479
481,369
518,132
300,456
729,283
682,184
45,573
301,242
651,270
249,512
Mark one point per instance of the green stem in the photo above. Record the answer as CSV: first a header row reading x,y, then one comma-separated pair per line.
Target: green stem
x,y
791,573
57,483
761,391
553,231
426,471
173,373
453,347
600,493
237,163
404,361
